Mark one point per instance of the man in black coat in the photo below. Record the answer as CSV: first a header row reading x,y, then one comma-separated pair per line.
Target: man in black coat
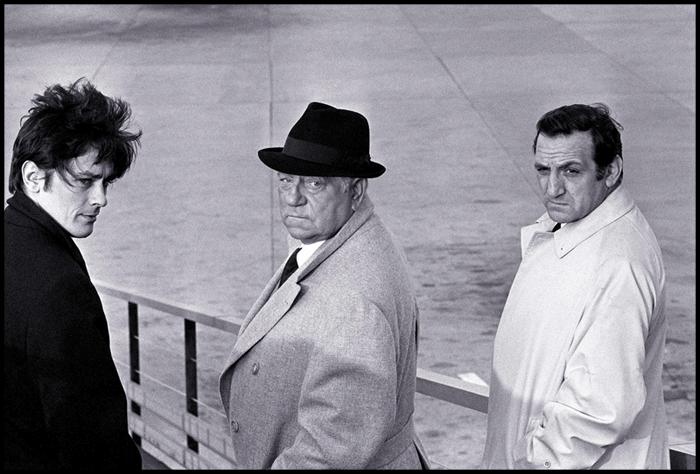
x,y
65,406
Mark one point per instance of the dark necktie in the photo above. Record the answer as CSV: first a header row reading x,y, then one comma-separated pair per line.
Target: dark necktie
x,y
557,227
290,267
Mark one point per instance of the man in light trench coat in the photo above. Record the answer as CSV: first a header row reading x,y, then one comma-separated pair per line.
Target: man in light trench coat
x,y
578,356
323,373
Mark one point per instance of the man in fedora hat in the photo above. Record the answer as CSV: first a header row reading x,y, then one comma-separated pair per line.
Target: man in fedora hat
x,y
323,373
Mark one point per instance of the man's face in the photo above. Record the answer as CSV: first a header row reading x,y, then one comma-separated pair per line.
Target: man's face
x,y
76,201
567,176
313,208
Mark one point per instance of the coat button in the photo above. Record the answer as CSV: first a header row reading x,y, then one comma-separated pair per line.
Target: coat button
x,y
256,368
234,426
547,464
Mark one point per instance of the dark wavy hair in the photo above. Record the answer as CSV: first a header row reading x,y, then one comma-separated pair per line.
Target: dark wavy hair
x,y
604,129
68,122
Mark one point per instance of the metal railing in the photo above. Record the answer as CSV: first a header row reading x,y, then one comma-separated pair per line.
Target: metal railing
x,y
152,422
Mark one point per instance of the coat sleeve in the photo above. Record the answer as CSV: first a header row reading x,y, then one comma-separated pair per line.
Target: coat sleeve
x,y
348,400
85,408
603,389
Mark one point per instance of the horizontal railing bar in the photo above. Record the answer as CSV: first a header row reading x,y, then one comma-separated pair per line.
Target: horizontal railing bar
x,y
453,390
682,446
176,309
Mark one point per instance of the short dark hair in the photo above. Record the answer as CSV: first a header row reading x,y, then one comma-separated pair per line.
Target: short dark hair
x,y
67,122
604,129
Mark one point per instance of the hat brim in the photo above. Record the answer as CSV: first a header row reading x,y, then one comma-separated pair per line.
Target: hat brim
x,y
278,161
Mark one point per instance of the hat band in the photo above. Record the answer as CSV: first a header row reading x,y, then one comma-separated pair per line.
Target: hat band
x,y
315,152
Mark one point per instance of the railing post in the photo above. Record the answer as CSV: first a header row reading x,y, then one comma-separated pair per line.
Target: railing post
x,y
134,362
682,461
191,376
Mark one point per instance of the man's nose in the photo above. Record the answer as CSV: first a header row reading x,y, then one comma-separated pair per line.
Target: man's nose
x,y
98,195
555,185
293,195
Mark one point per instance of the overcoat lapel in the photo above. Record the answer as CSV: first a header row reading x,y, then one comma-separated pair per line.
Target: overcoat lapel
x,y
264,314
274,303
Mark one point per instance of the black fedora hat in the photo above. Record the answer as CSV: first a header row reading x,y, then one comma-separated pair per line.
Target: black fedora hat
x,y
325,141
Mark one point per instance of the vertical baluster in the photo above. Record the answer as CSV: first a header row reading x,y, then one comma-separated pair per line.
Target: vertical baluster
x,y
191,376
134,362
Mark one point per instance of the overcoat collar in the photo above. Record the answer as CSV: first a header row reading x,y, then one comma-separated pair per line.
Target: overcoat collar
x,y
274,303
21,203
616,205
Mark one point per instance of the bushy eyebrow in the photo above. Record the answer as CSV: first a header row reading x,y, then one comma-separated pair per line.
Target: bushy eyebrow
x,y
563,164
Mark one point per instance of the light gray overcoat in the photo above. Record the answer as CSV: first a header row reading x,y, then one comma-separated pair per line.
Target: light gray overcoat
x,y
323,373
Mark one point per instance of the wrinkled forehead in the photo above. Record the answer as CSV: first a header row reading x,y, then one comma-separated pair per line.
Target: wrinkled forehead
x,y
577,145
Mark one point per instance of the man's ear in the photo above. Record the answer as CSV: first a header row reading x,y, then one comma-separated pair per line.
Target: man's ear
x,y
33,177
357,192
614,172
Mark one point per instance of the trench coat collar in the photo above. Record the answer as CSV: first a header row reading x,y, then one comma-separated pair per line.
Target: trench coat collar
x,y
273,303
21,203
616,205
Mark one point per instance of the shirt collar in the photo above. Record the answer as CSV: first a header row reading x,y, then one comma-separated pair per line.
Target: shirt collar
x,y
306,252
616,205
363,213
